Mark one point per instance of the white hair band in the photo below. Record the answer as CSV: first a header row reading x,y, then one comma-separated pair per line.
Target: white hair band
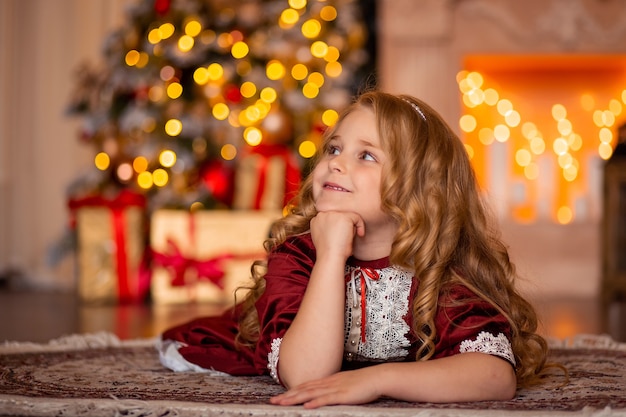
x,y
416,108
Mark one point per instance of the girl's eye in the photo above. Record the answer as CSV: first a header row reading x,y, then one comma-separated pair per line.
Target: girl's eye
x,y
368,157
333,150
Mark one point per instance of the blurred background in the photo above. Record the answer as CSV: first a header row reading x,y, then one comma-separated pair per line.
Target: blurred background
x,y
132,132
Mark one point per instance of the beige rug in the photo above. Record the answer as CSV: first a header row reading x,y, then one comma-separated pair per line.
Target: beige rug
x,y
99,375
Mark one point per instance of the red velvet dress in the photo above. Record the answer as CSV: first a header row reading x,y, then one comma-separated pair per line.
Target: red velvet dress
x,y
377,323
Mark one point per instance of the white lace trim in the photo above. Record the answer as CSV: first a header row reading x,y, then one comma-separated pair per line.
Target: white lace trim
x,y
272,359
387,303
488,343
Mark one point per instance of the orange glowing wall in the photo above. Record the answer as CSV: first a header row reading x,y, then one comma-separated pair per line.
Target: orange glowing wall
x,y
575,104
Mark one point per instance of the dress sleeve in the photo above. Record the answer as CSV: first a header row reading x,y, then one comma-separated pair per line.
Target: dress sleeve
x,y
466,323
288,270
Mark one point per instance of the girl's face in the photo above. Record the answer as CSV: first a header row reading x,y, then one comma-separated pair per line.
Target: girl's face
x,y
348,176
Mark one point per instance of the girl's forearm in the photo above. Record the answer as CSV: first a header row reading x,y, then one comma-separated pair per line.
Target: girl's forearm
x,y
463,377
312,348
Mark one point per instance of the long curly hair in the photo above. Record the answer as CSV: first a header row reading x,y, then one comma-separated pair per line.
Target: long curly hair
x,y
446,233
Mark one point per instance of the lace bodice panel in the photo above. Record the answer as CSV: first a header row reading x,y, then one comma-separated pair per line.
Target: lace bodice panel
x,y
377,302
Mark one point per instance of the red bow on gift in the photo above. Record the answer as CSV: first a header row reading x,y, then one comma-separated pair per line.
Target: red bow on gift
x,y
174,260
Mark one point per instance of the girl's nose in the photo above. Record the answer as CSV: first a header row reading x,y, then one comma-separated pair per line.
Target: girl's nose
x,y
336,164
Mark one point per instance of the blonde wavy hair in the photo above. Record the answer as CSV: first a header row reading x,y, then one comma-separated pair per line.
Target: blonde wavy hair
x,y
446,232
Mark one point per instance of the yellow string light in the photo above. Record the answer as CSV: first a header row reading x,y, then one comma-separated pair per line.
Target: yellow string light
x,y
173,127
102,161
160,177
167,158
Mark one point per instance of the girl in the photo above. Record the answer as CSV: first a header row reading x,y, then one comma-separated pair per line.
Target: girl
x,y
386,279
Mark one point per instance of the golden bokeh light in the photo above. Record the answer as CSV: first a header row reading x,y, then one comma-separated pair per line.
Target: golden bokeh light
x,y
248,89
174,90
523,157
310,90
102,161
307,149
167,158
559,112
560,146
215,71
605,150
132,58
252,136
319,49
228,152
564,215
160,177
299,72
330,117
166,30
275,70
311,28
317,79
193,28
531,171
297,4
486,136
268,95
333,69
504,106
467,123
140,164
173,127
501,133
615,107
491,96
288,18
240,49
144,180
220,111
185,43
201,75
154,36
328,13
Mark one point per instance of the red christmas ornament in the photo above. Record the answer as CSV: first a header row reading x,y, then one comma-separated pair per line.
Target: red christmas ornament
x,y
232,94
162,7
218,178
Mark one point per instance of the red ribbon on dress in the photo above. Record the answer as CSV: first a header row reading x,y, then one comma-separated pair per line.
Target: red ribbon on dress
x,y
117,205
365,273
210,269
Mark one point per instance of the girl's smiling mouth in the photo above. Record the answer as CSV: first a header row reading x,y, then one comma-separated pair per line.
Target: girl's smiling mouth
x,y
334,187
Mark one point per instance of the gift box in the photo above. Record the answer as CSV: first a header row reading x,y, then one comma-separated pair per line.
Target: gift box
x,y
110,247
267,177
204,256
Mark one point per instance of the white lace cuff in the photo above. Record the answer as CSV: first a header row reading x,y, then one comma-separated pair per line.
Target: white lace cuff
x,y
272,359
488,343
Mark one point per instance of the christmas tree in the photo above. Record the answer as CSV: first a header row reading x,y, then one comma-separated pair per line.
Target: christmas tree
x,y
195,96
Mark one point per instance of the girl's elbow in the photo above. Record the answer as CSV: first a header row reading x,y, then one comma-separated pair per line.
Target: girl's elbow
x,y
505,383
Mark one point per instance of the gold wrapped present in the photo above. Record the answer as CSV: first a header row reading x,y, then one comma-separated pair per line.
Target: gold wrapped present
x,y
204,256
110,236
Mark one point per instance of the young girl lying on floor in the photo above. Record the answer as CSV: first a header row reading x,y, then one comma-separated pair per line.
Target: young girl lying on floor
x,y
388,278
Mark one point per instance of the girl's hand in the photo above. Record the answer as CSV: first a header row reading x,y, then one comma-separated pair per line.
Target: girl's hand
x,y
349,387
333,232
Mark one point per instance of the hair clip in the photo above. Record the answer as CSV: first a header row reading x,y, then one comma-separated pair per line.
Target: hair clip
x,y
416,108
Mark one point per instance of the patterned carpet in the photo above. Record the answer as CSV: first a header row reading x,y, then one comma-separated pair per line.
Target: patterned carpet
x,y
98,375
